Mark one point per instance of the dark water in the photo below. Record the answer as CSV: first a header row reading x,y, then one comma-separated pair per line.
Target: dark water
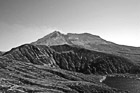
x,y
123,83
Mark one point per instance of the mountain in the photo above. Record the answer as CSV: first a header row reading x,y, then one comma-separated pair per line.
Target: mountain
x,y
71,58
92,42
71,63
59,69
55,38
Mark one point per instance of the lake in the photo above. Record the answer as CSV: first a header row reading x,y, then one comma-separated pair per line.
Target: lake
x,y
123,83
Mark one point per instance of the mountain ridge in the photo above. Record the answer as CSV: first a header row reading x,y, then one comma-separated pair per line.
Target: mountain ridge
x,y
65,63
92,42
67,36
71,58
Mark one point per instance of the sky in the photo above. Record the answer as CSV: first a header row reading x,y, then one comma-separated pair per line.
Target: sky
x,y
25,21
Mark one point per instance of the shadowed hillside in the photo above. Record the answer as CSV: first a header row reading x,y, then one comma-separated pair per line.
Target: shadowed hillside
x,y
71,58
1,53
40,69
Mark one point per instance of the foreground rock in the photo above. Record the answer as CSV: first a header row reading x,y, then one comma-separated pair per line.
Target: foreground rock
x,y
22,77
59,69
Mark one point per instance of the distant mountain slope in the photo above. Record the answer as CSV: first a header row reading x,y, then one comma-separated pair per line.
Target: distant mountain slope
x,y
55,38
72,59
92,42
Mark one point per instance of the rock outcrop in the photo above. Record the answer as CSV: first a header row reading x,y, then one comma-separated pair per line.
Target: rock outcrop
x,y
71,58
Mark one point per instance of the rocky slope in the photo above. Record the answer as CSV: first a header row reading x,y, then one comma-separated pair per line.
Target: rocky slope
x,y
22,77
91,42
40,69
72,59
76,63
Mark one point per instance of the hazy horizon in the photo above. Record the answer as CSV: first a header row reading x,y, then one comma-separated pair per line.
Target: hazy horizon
x,y
25,21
